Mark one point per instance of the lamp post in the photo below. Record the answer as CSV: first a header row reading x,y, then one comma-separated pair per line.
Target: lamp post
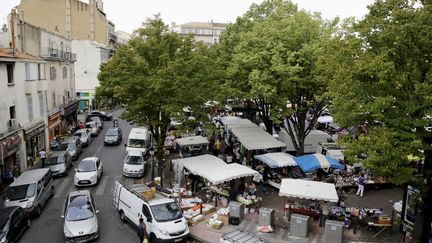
x,y
151,163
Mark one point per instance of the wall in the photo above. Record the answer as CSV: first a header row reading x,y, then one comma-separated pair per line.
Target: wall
x,y
87,64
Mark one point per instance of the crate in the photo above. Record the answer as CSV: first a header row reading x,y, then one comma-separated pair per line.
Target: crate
x,y
384,220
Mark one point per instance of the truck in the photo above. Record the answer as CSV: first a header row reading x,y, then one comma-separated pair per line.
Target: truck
x,y
311,141
161,214
241,235
139,138
333,150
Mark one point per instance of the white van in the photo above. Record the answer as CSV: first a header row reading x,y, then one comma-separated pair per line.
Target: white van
x,y
139,139
134,164
332,150
311,141
31,191
162,215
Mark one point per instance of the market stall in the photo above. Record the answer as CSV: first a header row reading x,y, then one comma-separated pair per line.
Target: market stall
x,y
312,162
276,161
309,194
194,145
255,138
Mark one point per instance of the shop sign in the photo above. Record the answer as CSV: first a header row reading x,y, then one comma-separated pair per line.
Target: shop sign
x,y
70,109
54,120
10,144
34,131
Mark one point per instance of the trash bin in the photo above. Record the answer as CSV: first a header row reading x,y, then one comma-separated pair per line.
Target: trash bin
x,y
236,212
266,217
299,225
333,232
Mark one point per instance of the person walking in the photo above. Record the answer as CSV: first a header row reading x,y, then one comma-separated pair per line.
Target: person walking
x,y
142,231
360,189
42,156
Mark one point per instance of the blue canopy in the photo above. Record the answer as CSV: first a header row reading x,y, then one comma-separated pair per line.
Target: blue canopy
x,y
312,162
276,160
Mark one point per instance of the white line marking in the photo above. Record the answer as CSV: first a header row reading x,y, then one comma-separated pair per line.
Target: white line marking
x,y
101,186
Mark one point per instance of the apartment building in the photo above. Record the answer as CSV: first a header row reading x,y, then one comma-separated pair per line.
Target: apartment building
x,y
206,32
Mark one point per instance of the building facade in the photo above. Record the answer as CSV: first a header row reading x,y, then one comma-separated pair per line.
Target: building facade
x,y
72,19
91,56
22,109
206,32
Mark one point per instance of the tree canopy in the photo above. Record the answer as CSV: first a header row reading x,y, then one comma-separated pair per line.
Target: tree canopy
x,y
381,69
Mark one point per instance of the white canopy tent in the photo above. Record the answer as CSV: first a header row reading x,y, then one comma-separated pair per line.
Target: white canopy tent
x,y
214,169
191,141
254,138
277,160
312,190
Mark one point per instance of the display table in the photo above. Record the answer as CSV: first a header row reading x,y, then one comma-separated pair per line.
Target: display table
x,y
274,184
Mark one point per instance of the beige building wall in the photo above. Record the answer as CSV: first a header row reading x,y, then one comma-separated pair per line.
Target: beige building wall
x,y
54,14
83,24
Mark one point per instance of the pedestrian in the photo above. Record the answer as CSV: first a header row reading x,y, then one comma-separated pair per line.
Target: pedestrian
x,y
264,185
360,189
217,147
142,231
30,160
42,156
15,172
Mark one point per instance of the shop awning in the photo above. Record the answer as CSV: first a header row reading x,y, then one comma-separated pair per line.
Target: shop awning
x,y
256,138
312,162
234,121
311,190
325,119
214,169
276,160
191,141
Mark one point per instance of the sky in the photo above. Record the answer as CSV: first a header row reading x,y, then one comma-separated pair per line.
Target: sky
x,y
128,15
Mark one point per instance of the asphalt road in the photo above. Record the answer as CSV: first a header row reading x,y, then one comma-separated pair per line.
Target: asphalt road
x,y
49,226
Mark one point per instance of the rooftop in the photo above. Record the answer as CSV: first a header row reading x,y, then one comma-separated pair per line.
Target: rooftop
x,y
8,53
205,25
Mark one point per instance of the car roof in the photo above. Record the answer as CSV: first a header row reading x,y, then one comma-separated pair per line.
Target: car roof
x,y
79,193
30,176
69,139
114,128
90,122
90,158
81,131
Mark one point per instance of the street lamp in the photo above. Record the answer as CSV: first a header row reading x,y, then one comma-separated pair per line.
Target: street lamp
x,y
151,163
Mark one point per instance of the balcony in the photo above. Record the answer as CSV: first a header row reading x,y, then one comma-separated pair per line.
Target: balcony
x,y
58,55
112,36
41,85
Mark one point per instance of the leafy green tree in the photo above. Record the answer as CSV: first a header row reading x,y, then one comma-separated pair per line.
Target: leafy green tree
x,y
381,67
156,75
271,55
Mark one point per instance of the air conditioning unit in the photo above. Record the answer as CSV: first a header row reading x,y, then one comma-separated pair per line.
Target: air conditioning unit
x,y
12,123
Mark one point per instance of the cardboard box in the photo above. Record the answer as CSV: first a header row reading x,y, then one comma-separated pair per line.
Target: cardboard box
x,y
224,219
384,220
217,225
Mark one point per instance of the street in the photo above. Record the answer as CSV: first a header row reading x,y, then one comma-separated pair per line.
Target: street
x,y
49,226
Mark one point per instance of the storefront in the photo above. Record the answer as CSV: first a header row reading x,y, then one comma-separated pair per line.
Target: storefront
x,y
54,125
34,138
69,115
9,155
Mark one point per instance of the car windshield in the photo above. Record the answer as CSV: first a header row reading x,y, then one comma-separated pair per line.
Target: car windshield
x,y
137,143
134,160
52,160
87,166
112,132
21,192
79,208
166,212
71,146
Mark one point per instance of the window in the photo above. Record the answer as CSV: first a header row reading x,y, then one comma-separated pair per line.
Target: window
x,y
9,70
30,107
39,72
27,71
12,112
64,72
53,100
53,73
41,104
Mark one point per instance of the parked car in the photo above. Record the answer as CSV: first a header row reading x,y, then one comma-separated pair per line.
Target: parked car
x,y
80,220
14,221
73,146
134,164
31,191
98,121
102,114
84,136
89,172
94,130
59,162
113,136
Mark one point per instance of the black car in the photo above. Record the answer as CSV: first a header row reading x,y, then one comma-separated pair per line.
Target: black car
x,y
101,114
13,223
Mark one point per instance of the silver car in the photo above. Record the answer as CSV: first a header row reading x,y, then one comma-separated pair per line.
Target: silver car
x,y
84,135
80,221
113,136
59,162
94,129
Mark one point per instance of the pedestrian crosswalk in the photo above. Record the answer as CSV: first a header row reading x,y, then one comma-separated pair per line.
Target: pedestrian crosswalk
x,y
104,187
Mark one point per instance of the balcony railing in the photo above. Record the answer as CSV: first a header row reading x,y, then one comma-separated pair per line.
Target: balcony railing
x,y
56,54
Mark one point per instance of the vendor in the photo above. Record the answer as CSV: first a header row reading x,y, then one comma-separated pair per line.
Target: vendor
x,y
233,191
251,189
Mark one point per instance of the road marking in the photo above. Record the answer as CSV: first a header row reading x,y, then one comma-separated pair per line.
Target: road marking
x,y
280,234
61,188
102,184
